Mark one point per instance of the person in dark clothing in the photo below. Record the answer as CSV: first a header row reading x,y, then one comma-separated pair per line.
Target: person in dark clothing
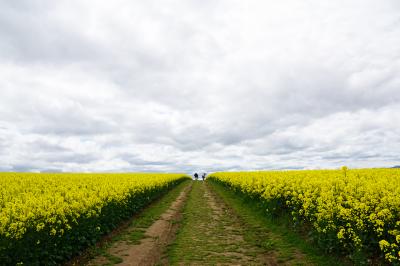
x,y
196,176
203,176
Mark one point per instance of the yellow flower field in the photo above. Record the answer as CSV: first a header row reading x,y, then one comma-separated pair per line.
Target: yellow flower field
x,y
49,217
348,210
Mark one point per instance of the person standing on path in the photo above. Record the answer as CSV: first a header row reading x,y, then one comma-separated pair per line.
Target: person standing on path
x,y
196,176
203,176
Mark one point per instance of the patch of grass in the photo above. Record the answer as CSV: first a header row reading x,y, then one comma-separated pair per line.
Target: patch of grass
x,y
193,212
268,244
274,234
112,259
210,233
192,242
135,236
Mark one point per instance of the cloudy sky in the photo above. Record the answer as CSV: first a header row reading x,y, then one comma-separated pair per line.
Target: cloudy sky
x,y
201,85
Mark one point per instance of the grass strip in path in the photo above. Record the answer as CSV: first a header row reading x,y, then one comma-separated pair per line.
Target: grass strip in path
x,y
211,234
134,232
289,246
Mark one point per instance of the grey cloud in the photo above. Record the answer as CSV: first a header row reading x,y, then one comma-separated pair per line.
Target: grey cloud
x,y
31,33
23,168
136,161
70,157
46,146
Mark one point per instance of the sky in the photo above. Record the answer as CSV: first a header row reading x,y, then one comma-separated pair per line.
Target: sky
x,y
198,85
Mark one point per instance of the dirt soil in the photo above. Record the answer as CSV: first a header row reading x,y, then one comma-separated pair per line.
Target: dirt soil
x,y
156,238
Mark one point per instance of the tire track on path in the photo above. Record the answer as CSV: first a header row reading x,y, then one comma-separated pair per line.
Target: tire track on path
x,y
152,246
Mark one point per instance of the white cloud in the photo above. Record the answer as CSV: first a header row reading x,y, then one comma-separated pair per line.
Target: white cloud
x,y
173,86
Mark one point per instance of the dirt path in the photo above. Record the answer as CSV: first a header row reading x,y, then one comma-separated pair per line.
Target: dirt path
x,y
195,226
149,250
211,234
